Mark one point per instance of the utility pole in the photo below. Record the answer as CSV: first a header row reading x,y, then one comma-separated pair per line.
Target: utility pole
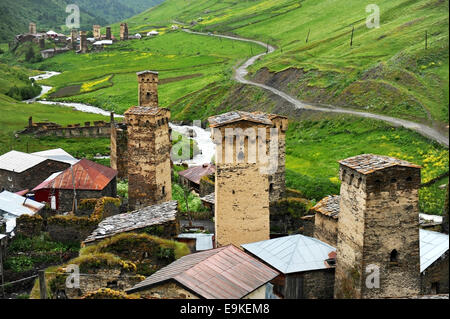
x,y
351,41
426,39
42,284
307,37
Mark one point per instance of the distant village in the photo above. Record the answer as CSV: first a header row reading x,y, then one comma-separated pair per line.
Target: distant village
x,y
368,242
77,41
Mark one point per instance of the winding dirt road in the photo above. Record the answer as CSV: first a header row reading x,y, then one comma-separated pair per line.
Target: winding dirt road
x,y
242,72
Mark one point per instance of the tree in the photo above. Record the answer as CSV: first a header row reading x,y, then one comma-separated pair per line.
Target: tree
x,y
29,55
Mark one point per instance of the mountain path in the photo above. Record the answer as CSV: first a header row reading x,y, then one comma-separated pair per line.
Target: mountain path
x,y
242,72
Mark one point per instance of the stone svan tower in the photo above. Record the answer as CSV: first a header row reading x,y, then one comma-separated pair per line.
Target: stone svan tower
x,y
108,33
74,38
149,165
242,191
32,28
378,228
83,42
148,88
97,32
123,32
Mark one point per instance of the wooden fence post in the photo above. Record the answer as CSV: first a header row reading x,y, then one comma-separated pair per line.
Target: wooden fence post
x,y
42,284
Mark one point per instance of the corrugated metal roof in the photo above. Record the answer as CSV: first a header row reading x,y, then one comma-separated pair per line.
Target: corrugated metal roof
x,y
292,254
86,175
17,205
58,155
432,246
2,236
202,241
222,273
368,163
329,206
19,162
195,174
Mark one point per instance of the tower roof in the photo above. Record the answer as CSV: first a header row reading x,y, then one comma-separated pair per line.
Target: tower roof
x,y
329,206
146,110
146,72
237,116
369,163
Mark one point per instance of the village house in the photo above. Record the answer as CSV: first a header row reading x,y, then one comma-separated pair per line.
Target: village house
x,y
13,206
306,266
19,171
83,180
191,177
161,220
197,241
222,273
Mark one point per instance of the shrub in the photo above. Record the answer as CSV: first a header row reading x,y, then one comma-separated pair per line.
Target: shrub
x,y
106,293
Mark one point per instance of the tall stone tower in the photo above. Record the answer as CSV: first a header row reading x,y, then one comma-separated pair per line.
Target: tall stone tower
x,y
277,180
83,42
149,165
108,33
32,28
74,38
148,88
123,32
378,228
119,148
97,32
242,185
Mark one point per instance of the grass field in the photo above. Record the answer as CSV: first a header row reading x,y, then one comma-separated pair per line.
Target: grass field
x,y
186,63
387,70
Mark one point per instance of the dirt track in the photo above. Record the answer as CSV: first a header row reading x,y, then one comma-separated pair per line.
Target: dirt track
x,y
242,72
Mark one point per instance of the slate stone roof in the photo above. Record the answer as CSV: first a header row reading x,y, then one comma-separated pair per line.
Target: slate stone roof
x,y
369,163
146,71
236,116
211,198
146,110
329,206
148,216
222,273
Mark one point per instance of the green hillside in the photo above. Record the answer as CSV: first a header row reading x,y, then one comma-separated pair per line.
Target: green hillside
x,y
51,14
387,70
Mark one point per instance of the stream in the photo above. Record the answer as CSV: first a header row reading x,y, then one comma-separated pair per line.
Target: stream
x,y
202,137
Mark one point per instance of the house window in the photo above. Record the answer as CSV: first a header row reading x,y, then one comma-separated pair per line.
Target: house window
x,y
271,187
164,190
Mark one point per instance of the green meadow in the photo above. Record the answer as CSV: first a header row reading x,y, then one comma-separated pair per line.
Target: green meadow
x,y
387,70
186,63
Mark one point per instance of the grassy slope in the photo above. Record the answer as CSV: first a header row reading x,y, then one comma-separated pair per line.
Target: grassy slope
x,y
406,87
199,60
211,90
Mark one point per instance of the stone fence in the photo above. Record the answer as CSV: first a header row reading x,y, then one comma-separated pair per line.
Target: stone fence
x,y
88,129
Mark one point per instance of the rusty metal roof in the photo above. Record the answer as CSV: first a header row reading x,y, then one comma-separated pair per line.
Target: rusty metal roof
x,y
369,163
195,174
84,175
222,273
236,116
329,206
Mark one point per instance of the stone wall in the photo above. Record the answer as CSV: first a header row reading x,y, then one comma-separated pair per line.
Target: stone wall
x,y
434,280
206,186
169,290
119,150
94,130
15,182
65,199
286,216
378,225
318,284
29,226
326,229
277,181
